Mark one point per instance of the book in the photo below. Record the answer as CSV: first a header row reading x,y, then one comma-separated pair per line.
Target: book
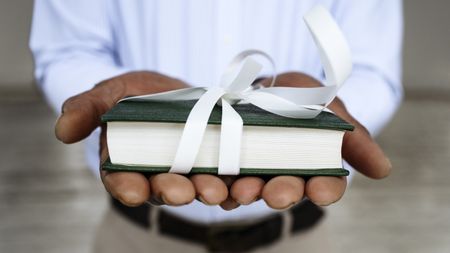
x,y
143,136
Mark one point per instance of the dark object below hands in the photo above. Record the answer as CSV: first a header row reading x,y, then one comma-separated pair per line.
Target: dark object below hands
x,y
221,237
143,137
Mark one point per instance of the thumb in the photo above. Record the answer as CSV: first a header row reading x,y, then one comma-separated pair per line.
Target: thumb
x,y
81,113
359,149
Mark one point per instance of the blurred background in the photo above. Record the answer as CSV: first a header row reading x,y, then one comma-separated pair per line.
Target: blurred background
x,y
49,203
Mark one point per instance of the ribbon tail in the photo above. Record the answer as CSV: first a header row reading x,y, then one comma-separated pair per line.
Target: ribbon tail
x,y
303,96
281,106
334,50
180,94
230,141
194,130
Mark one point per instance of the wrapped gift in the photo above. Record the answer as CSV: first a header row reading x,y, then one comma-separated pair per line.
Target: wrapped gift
x,y
233,128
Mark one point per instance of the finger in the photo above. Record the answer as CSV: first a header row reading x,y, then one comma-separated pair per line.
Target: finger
x,y
210,189
81,113
324,191
130,188
359,149
247,190
283,191
364,154
172,189
229,203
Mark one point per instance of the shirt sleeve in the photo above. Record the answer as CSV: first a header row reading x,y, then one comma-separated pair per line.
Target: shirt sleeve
x,y
73,47
374,30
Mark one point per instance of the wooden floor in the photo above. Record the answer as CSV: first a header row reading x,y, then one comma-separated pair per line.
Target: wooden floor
x,y
51,203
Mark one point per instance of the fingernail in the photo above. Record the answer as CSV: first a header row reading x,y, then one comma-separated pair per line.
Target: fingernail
x,y
282,208
56,122
389,162
290,205
246,203
387,169
163,199
203,200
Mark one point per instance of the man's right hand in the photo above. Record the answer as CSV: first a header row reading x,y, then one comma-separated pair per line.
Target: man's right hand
x,y
81,115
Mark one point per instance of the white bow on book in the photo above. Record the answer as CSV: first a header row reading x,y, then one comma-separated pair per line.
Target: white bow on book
x,y
284,101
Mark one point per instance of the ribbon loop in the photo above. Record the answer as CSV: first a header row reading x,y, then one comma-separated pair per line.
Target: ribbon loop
x,y
227,76
284,101
246,76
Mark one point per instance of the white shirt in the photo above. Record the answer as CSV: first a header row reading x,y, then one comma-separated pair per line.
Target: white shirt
x,y
77,43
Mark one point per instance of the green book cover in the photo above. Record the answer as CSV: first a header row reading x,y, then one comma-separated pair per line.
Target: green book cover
x,y
178,111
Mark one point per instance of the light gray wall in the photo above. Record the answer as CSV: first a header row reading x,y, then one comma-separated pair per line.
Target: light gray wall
x,y
427,44
15,60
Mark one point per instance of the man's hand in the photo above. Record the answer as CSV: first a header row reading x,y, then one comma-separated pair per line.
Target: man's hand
x,y
81,115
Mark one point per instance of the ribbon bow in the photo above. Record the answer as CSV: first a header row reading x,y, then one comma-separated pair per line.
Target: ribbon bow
x,y
284,101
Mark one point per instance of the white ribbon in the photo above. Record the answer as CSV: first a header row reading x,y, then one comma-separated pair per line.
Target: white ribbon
x,y
285,101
